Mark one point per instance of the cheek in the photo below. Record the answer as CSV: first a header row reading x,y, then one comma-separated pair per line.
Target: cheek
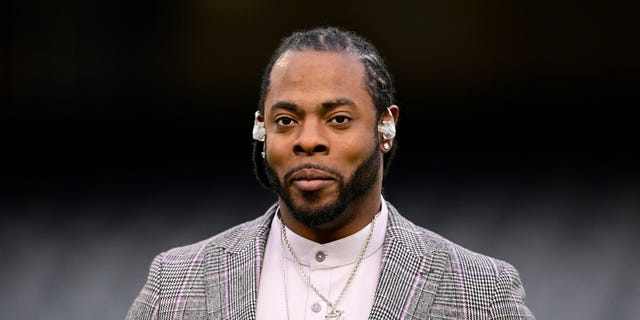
x,y
276,153
357,149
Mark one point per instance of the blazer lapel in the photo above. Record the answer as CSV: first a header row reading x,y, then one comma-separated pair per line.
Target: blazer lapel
x,y
233,268
411,271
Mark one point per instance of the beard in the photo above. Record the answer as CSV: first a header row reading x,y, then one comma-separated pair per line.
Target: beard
x,y
363,179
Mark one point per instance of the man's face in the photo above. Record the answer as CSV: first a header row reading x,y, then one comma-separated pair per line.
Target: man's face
x,y
321,148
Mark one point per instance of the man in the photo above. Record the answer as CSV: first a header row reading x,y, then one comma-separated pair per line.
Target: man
x,y
331,247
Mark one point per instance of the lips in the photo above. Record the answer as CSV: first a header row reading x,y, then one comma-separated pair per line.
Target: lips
x,y
311,179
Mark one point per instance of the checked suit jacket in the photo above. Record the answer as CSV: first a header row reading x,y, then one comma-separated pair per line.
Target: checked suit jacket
x,y
423,276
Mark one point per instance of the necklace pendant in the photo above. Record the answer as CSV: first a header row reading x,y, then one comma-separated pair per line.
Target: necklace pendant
x,y
334,315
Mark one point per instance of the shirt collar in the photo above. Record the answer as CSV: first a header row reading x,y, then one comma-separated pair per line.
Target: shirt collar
x,y
339,252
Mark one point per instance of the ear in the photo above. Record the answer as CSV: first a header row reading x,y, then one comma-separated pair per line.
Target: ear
x,y
390,114
395,112
386,127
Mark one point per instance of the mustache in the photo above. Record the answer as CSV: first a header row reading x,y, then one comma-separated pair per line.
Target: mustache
x,y
291,172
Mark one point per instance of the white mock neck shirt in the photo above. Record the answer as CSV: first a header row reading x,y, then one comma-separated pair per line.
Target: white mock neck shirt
x,y
328,266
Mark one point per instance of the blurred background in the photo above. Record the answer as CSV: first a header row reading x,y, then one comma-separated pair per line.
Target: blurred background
x,y
126,126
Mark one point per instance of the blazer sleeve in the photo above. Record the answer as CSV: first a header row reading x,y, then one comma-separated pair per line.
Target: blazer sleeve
x,y
507,302
146,304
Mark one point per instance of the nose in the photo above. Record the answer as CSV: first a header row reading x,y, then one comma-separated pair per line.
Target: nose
x,y
311,140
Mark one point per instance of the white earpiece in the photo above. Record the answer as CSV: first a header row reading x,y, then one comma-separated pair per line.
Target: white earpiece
x,y
388,127
259,132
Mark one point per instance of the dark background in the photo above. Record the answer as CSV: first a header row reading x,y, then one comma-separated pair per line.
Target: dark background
x,y
126,131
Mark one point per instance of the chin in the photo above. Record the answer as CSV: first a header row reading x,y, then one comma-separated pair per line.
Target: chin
x,y
317,211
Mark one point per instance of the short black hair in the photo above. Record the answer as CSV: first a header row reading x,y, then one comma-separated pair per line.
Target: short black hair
x,y
377,77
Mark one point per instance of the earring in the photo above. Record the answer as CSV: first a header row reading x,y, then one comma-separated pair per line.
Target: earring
x,y
386,146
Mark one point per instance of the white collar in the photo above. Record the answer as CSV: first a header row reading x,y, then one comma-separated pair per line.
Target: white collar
x,y
339,252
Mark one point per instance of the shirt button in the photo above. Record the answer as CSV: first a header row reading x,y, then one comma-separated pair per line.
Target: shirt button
x,y
320,256
316,307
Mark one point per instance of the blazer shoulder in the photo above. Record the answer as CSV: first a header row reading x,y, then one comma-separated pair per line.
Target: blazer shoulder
x,y
463,260
425,241
477,283
487,285
232,239
467,260
177,277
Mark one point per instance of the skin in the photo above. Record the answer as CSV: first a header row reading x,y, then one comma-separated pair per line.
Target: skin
x,y
318,112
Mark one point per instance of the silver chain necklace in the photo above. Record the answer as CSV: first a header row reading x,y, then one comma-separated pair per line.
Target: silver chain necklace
x,y
333,313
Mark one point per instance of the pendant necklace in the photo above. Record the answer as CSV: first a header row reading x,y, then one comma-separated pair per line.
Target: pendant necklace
x,y
334,313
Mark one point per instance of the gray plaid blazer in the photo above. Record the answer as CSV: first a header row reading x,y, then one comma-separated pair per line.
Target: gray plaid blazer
x,y
424,276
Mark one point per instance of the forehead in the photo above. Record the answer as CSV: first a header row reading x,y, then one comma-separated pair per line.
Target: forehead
x,y
292,60
302,76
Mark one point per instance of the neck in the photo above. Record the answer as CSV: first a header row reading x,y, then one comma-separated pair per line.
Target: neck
x,y
355,217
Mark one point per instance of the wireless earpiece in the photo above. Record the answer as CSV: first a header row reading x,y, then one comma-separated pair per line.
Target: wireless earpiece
x,y
259,132
388,127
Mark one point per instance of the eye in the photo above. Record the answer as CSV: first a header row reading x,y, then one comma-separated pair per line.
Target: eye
x,y
340,119
284,121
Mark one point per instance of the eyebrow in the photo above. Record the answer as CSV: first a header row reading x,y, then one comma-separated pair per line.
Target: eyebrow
x,y
289,106
325,106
